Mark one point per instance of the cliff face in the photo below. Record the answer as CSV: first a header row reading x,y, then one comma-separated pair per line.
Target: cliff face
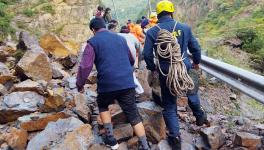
x,y
67,18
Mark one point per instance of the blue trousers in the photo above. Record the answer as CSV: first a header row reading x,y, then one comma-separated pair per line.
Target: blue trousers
x,y
170,107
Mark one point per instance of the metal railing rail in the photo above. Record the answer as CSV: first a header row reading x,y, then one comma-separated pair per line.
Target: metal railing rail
x,y
247,82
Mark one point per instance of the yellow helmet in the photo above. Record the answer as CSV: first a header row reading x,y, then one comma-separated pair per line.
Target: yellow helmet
x,y
165,5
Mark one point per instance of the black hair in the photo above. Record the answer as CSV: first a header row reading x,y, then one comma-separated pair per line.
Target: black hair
x,y
113,21
107,10
143,17
124,29
139,21
165,13
97,23
111,26
100,8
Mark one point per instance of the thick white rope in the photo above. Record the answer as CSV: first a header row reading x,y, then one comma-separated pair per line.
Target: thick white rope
x,y
178,80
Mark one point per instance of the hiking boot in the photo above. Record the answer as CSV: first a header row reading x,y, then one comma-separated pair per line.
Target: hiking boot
x,y
111,142
175,143
202,120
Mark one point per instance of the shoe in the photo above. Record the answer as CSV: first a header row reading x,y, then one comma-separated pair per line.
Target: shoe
x,y
202,120
111,142
175,143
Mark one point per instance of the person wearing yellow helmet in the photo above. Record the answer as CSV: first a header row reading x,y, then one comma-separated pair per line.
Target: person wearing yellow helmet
x,y
153,19
165,10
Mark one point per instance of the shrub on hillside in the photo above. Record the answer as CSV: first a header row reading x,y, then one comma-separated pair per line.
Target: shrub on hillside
x,y
5,19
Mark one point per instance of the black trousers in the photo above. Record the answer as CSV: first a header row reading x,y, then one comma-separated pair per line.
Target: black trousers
x,y
127,101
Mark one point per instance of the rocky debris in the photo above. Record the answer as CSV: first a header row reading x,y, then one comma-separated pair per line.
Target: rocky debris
x,y
69,62
70,82
5,74
18,104
234,42
35,65
213,136
153,121
69,134
247,140
38,121
122,132
16,138
53,45
55,101
82,109
28,42
58,72
3,90
30,85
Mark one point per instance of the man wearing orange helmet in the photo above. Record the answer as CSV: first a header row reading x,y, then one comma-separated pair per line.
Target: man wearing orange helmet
x,y
187,41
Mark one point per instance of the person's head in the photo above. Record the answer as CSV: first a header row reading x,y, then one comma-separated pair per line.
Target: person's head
x,y
129,21
143,17
153,15
112,27
138,21
165,8
124,29
100,8
97,24
144,23
107,10
114,22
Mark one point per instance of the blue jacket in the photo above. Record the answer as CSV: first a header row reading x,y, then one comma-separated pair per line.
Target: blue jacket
x,y
112,62
185,38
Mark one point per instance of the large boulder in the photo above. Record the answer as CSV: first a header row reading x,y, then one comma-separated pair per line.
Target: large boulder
x,y
248,140
52,44
38,121
18,104
30,85
28,42
58,72
65,134
35,65
213,136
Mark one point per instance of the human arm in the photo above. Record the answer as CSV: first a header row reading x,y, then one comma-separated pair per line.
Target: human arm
x,y
148,52
195,50
85,67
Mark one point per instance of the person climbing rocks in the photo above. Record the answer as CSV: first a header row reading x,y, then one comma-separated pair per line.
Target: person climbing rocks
x,y
186,40
110,54
138,31
99,12
107,15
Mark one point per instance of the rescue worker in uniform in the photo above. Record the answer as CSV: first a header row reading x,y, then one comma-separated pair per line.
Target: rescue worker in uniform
x,y
183,32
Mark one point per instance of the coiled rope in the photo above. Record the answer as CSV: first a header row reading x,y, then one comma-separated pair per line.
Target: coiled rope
x,y
178,81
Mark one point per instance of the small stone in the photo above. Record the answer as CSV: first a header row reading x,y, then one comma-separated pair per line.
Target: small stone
x,y
36,122
71,82
233,97
16,138
247,140
122,132
213,137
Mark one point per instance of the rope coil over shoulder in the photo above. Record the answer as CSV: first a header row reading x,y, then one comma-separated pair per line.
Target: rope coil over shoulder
x,y
178,80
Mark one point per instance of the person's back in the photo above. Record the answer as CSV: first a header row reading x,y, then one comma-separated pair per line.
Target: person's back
x,y
112,62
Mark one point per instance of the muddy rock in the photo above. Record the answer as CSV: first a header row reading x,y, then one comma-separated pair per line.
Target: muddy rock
x,y
5,74
124,131
34,65
38,121
213,136
70,134
248,140
55,101
16,138
30,85
53,45
82,109
58,72
18,104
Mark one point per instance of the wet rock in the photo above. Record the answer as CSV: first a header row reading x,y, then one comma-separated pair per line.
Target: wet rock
x,y
5,74
18,104
36,122
69,134
82,109
213,136
16,138
58,72
55,101
153,121
122,132
69,62
30,85
34,65
248,140
53,45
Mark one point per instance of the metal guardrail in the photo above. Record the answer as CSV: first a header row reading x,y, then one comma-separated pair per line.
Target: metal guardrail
x,y
247,82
